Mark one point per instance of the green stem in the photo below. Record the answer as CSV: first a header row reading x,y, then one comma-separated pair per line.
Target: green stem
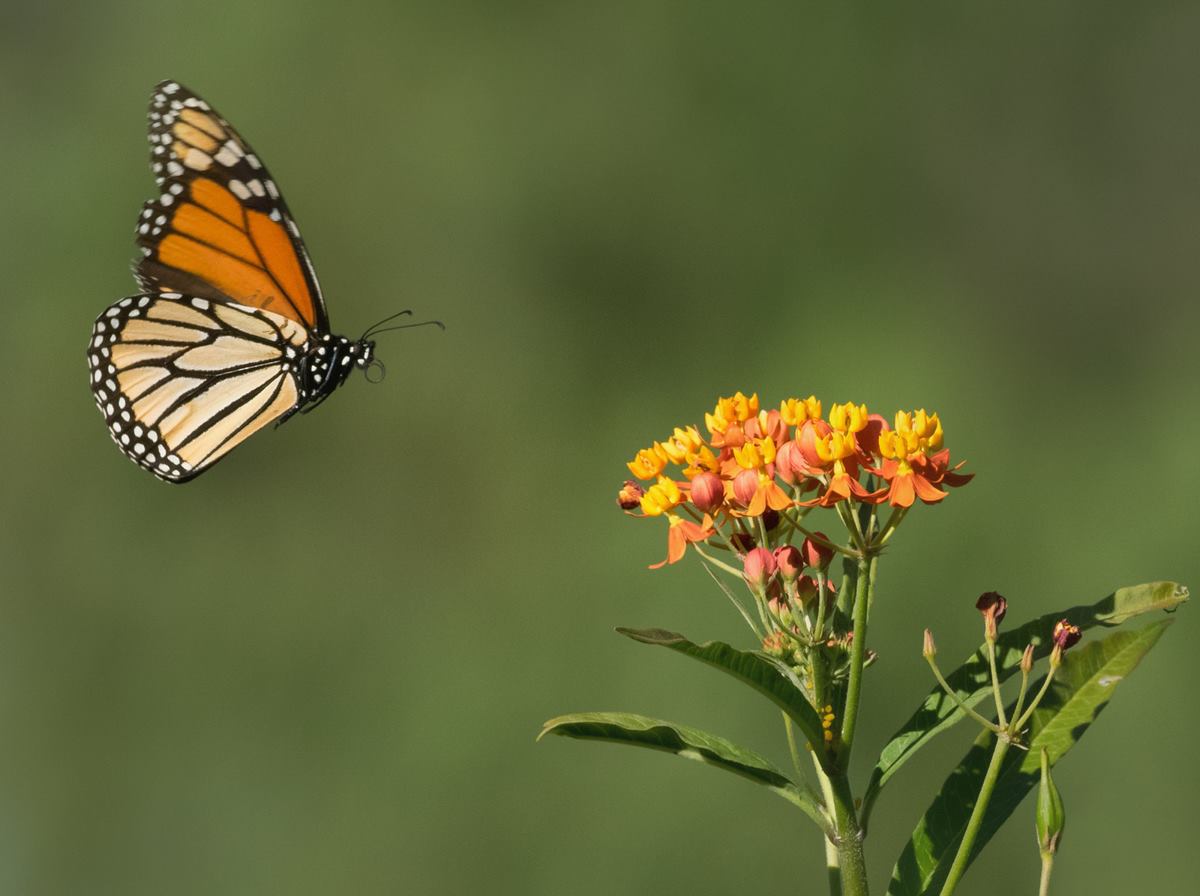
x,y
833,869
889,527
733,571
1047,865
819,625
963,857
1016,726
764,539
991,651
937,673
864,583
1021,697
851,862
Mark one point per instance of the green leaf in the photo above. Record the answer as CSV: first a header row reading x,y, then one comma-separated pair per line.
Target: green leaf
x,y
690,743
1081,689
972,680
769,677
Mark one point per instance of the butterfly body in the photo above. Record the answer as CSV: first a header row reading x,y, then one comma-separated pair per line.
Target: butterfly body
x,y
325,366
230,331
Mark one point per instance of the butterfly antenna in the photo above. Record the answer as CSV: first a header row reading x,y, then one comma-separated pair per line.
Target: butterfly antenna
x,y
371,329
423,323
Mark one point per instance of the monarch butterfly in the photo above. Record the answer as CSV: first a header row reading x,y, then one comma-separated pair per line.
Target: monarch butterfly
x,y
229,332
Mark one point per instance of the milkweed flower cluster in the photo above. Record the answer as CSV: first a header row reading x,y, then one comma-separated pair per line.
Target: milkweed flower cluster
x,y
757,467
738,493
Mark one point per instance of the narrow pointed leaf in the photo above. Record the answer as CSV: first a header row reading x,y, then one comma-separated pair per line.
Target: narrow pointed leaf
x,y
1082,688
689,743
972,680
757,670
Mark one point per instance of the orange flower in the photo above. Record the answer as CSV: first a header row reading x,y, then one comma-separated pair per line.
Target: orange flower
x,y
681,533
768,424
725,421
913,465
833,452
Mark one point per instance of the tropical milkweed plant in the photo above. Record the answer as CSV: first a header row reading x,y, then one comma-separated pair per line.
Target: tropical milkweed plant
x,y
790,510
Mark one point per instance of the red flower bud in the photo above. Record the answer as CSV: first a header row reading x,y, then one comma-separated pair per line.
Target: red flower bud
x,y
745,486
789,464
734,436
708,492
1066,635
806,589
630,495
790,562
817,552
758,567
992,604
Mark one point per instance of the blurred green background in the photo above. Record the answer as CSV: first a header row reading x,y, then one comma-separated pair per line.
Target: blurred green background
x,y
320,668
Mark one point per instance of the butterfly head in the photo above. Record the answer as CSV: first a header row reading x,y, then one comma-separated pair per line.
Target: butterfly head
x,y
361,353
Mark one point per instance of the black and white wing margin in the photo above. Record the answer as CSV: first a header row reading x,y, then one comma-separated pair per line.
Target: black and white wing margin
x,y
192,150
182,380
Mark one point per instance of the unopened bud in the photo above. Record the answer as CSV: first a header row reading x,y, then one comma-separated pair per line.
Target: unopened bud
x,y
929,651
745,486
807,587
708,492
775,644
1027,659
1050,815
630,495
993,607
790,562
758,567
789,464
817,552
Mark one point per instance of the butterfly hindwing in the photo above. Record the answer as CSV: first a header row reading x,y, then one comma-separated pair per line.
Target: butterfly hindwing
x,y
220,228
181,380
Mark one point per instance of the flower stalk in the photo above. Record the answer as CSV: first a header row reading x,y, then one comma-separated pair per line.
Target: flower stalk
x,y
1008,734
747,488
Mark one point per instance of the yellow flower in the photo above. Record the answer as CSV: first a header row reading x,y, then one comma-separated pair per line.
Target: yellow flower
x,y
836,446
737,409
661,497
681,443
755,455
647,463
848,418
796,410
700,462
916,433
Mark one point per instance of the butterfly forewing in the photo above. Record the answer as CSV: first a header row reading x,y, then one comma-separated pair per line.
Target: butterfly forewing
x,y
220,229
181,380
